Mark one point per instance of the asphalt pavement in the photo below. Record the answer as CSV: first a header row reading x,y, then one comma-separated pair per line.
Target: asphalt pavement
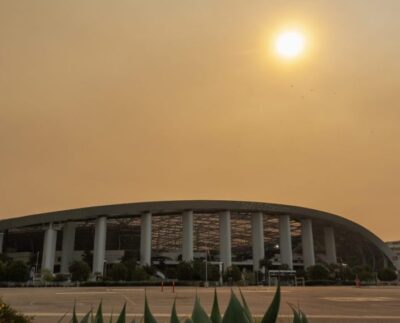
x,y
321,304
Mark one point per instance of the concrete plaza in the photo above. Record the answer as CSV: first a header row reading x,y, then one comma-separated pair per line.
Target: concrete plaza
x,y
321,304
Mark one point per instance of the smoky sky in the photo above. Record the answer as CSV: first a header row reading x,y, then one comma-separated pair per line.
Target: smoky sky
x,y
107,102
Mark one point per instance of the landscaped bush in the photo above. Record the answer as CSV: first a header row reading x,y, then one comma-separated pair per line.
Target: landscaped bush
x,y
118,272
47,275
139,274
199,271
3,271
61,277
341,272
170,273
317,272
238,312
150,270
17,271
387,274
9,315
80,270
130,265
319,282
232,274
184,271
364,273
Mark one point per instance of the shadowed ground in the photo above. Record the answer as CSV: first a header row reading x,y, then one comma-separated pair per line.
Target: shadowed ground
x,y
321,304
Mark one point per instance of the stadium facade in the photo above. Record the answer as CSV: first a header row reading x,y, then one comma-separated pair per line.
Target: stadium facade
x,y
227,232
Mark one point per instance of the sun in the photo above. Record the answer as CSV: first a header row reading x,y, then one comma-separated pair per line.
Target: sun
x,y
290,44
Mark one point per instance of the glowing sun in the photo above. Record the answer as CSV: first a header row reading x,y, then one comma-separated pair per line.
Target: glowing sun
x,y
290,44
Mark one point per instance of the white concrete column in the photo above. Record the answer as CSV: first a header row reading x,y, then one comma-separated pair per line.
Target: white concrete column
x,y
257,233
99,250
68,243
49,248
145,239
285,241
225,251
1,241
307,240
187,247
330,245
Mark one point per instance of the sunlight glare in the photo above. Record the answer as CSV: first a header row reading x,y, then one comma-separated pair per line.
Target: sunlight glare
x,y
290,44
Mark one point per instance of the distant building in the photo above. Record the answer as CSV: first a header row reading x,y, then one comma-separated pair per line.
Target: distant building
x,y
228,232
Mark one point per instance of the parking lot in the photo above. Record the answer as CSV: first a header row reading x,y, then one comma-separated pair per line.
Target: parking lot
x,y
321,304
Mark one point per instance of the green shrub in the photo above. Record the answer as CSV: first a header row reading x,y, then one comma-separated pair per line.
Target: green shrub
x,y
118,272
47,275
233,273
170,273
139,274
150,270
60,277
341,272
17,271
387,274
3,271
9,315
184,271
317,272
364,273
80,270
199,271
237,311
130,265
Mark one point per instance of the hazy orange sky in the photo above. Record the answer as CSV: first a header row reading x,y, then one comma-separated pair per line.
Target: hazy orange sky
x,y
122,101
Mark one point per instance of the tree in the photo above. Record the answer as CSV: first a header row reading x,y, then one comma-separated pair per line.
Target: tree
x,y
17,271
317,272
118,272
80,270
387,274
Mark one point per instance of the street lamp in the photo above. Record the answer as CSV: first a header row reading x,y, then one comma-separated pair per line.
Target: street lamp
x,y
206,282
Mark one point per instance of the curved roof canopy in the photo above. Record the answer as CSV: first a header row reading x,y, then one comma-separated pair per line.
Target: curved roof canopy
x,y
201,206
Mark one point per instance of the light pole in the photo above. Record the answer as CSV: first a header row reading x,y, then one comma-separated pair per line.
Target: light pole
x,y
206,282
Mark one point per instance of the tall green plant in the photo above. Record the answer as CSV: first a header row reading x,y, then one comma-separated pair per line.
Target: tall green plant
x,y
236,312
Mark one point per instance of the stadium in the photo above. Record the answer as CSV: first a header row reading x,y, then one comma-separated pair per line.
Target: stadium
x,y
225,232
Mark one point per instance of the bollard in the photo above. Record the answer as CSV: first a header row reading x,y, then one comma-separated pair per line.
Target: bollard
x,y
173,286
162,286
357,281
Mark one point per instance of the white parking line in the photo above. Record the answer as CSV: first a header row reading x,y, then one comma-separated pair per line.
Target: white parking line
x,y
129,300
359,299
125,289
84,293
